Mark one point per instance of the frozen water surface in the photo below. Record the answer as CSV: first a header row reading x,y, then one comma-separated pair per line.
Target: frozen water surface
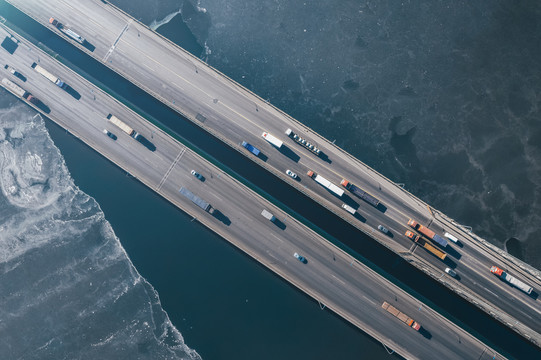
x,y
67,288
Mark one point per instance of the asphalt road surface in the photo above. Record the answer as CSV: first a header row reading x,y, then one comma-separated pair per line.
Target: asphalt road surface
x,y
330,276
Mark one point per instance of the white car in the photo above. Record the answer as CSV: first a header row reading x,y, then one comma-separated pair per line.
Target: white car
x,y
291,173
450,272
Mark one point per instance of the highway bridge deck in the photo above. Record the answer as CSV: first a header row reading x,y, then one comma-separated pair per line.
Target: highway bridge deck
x,y
330,276
233,114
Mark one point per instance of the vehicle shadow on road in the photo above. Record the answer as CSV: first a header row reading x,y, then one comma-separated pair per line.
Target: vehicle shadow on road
x,y
43,108
89,46
286,151
381,208
263,157
451,251
281,225
221,217
359,217
450,263
74,93
324,157
349,201
425,333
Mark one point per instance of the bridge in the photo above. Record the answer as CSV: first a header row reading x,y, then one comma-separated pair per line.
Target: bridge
x,y
233,114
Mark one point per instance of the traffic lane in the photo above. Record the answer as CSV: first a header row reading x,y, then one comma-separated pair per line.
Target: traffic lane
x,y
502,294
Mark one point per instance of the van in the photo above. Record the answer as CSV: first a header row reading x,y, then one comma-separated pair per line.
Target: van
x,y
451,237
267,215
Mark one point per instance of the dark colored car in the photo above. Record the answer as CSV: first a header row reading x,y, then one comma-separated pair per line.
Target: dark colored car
x,y
197,175
110,134
300,258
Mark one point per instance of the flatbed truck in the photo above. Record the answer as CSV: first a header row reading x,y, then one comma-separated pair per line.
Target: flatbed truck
x,y
72,34
303,142
401,316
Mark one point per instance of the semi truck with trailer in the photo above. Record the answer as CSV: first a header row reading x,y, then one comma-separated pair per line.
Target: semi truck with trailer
x,y
427,246
303,142
360,193
131,132
511,280
15,72
326,183
273,140
197,200
55,80
19,91
72,34
250,148
427,232
401,316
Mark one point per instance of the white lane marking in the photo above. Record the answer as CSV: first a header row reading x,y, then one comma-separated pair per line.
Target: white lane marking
x,y
170,169
112,48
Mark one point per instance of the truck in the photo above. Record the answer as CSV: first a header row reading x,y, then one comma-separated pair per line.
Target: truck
x,y
427,246
326,183
511,280
131,132
360,193
122,126
14,72
251,148
72,34
273,140
55,80
267,215
197,200
303,142
19,91
401,316
427,232
349,209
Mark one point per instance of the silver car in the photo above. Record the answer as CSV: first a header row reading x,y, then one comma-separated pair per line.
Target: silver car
x,y
383,229
291,173
450,272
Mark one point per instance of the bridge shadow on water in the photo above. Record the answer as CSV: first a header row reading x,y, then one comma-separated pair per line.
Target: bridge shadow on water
x,y
368,251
